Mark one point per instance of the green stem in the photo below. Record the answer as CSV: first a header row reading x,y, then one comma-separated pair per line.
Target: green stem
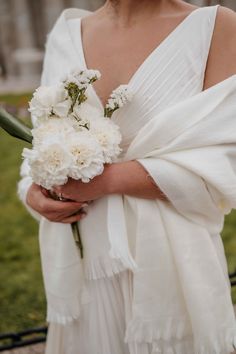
x,y
74,228
77,238
14,127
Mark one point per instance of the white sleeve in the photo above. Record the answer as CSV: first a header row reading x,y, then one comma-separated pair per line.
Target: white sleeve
x,y
23,187
26,181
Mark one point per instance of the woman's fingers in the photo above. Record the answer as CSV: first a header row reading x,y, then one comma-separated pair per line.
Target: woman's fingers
x,y
53,210
62,211
74,218
75,215
45,192
57,211
66,214
48,204
60,205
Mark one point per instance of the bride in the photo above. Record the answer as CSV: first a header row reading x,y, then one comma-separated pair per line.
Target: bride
x,y
163,286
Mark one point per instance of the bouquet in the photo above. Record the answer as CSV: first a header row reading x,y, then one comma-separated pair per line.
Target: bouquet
x,y
71,138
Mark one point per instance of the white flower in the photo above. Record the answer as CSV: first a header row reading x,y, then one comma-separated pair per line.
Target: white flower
x,y
49,164
48,101
118,99
111,104
87,156
53,129
123,92
77,140
109,137
83,114
81,78
87,111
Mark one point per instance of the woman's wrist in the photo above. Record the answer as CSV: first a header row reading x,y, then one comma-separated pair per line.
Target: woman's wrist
x,y
120,176
111,179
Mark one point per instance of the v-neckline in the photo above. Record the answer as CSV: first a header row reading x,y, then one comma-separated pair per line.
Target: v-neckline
x,y
144,62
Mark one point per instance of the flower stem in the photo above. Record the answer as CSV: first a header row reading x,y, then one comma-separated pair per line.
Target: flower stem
x,y
77,238
74,227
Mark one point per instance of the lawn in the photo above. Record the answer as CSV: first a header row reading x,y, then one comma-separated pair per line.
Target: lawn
x,y
22,301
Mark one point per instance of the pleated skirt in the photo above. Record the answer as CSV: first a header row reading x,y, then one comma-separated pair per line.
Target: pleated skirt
x,y
102,323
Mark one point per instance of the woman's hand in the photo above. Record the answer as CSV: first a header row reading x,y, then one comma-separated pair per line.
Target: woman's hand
x,y
53,210
79,191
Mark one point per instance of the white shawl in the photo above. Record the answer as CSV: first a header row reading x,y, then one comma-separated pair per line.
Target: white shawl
x,y
180,284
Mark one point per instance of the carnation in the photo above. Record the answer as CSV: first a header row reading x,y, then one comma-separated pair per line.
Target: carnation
x,y
108,135
55,128
49,164
86,156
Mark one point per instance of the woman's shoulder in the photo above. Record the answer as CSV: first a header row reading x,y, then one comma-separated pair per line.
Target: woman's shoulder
x,y
221,62
224,36
225,25
225,16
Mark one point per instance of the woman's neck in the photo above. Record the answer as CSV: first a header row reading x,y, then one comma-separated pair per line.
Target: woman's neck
x,y
125,12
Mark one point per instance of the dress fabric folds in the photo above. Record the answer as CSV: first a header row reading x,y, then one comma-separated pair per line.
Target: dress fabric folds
x,y
154,278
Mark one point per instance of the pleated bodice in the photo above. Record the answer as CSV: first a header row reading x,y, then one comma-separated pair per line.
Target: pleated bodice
x,y
172,72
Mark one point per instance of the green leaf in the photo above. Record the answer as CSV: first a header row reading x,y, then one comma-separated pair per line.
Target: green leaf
x,y
14,127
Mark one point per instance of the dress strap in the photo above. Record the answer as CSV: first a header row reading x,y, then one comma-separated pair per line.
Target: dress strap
x,y
207,33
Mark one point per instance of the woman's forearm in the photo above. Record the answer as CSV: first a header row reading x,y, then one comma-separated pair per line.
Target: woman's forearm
x,y
127,178
132,179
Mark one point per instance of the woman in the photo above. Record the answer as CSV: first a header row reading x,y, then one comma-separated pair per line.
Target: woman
x,y
167,51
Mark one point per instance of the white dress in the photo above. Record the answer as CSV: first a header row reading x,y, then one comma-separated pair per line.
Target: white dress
x,y
171,73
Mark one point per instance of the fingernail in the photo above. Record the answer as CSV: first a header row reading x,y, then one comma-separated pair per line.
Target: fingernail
x,y
84,205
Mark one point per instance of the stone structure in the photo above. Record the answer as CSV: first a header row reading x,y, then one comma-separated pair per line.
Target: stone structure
x,y
24,25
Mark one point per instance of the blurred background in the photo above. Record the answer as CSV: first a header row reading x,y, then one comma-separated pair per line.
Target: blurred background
x,y
24,25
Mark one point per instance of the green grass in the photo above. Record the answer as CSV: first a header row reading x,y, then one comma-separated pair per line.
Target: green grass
x,y
21,290
22,300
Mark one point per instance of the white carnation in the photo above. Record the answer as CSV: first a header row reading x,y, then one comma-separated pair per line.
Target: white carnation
x,y
49,164
49,101
87,156
109,137
55,128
